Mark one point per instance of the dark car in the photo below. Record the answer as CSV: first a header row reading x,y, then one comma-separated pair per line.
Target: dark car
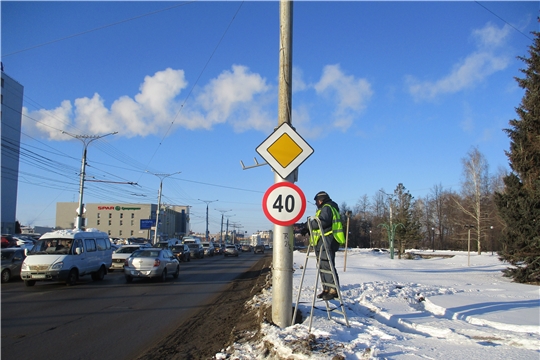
x,y
259,249
181,251
12,260
196,250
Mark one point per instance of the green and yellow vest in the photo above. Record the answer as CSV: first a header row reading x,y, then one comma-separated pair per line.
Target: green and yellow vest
x,y
337,228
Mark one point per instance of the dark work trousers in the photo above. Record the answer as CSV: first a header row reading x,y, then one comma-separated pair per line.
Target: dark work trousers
x,y
332,246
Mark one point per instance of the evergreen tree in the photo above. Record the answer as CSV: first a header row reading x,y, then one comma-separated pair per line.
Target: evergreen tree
x,y
519,203
409,232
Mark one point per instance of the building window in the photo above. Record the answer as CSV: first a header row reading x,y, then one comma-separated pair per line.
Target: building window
x,y
110,223
132,222
121,223
120,233
131,232
98,215
121,215
110,216
132,215
109,232
2,82
98,222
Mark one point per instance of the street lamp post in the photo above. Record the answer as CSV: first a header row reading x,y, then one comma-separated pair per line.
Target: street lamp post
x,y
469,244
221,231
207,202
433,238
370,244
86,140
161,177
491,238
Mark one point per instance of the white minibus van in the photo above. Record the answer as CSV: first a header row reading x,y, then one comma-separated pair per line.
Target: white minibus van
x,y
65,255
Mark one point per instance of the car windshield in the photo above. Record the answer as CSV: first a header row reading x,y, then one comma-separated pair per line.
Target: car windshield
x,y
193,246
178,248
146,253
52,246
127,249
6,255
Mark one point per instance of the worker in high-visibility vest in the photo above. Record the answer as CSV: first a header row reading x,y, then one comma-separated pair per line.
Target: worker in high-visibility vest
x,y
328,214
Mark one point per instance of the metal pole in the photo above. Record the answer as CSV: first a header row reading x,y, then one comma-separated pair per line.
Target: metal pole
x,y
86,139
346,242
283,235
207,202
161,178
158,211
469,248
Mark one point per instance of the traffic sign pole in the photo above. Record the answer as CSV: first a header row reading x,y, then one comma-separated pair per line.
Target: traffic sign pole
x,y
282,272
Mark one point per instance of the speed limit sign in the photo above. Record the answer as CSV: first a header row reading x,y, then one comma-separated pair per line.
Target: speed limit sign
x,y
284,203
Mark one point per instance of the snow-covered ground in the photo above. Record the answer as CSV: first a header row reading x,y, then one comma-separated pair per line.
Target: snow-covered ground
x,y
438,308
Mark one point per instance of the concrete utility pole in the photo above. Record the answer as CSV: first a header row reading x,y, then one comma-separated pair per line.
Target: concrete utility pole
x,y
207,202
221,232
282,271
86,139
161,177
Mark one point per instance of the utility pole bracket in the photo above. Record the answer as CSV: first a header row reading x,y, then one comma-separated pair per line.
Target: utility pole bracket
x,y
257,164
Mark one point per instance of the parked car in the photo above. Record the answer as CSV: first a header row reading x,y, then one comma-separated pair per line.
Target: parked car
x,y
8,241
208,248
24,241
246,248
121,254
259,249
230,250
181,252
151,263
12,259
196,250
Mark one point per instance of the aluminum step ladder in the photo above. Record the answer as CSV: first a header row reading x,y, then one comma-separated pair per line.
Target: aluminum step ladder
x,y
329,308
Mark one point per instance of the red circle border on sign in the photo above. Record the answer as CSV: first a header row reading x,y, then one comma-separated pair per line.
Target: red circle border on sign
x,y
302,209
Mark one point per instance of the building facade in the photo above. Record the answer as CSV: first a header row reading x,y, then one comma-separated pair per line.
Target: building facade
x,y
11,114
126,220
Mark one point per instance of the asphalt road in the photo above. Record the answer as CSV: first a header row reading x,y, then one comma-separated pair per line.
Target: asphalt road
x,y
109,319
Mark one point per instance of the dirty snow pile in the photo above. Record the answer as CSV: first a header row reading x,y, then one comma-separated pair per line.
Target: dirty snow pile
x,y
435,308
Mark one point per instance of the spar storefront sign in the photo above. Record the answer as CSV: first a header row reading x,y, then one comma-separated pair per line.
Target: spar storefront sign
x,y
117,208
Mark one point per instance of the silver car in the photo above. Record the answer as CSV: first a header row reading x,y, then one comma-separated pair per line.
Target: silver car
x,y
230,250
151,263
120,255
12,259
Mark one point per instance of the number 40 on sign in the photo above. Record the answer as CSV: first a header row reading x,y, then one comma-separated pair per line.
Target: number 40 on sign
x,y
284,203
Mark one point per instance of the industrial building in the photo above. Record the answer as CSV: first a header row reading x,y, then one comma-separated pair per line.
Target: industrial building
x,y
11,112
127,220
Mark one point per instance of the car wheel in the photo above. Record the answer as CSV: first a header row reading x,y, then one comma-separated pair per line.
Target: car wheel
x,y
6,275
163,275
30,282
189,258
177,272
99,275
129,279
72,278
111,270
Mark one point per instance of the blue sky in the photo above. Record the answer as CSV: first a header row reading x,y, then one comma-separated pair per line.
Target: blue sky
x,y
384,92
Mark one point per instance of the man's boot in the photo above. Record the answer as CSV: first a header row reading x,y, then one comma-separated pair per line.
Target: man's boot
x,y
324,292
331,294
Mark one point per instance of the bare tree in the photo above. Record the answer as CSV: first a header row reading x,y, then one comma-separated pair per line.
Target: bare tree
x,y
475,193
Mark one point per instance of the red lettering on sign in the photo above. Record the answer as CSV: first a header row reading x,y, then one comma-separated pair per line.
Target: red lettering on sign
x,y
105,207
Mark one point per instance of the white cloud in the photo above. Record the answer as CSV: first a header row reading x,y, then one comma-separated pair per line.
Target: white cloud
x,y
241,98
349,93
469,72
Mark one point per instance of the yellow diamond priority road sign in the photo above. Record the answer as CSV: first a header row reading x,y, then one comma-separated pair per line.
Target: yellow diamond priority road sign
x,y
284,150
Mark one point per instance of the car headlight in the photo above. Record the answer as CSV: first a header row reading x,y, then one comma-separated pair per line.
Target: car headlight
x,y
57,266
24,267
